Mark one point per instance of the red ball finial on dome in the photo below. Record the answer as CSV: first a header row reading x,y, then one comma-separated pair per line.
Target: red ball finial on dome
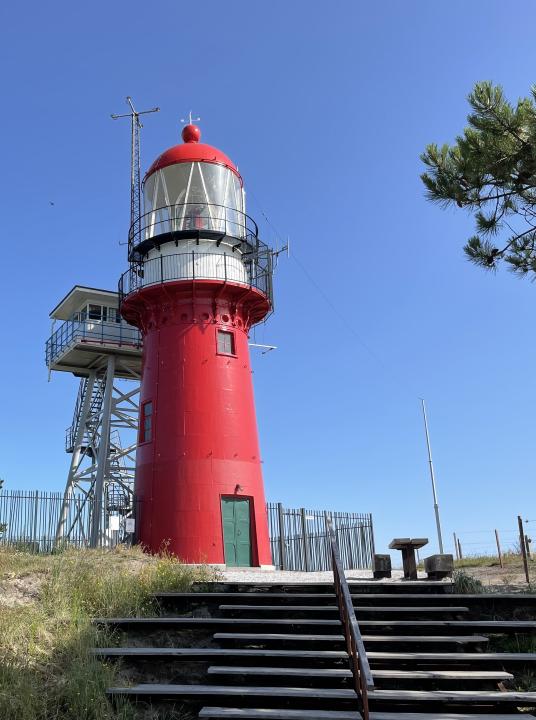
x,y
191,133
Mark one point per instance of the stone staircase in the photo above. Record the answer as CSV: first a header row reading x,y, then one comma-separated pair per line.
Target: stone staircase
x,y
265,651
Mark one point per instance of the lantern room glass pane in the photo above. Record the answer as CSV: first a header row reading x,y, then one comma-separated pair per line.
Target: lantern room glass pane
x,y
195,196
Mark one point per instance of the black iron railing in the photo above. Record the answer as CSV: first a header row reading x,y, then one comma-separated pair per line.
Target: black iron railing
x,y
299,539
32,517
94,331
185,218
252,269
355,647
29,520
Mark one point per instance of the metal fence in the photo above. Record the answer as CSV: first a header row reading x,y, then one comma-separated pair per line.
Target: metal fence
x,y
300,541
298,537
29,520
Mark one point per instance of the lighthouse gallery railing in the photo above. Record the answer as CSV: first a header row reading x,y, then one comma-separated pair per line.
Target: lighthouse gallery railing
x,y
251,270
362,676
187,218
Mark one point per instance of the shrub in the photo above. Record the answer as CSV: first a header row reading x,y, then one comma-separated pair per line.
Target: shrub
x,y
466,584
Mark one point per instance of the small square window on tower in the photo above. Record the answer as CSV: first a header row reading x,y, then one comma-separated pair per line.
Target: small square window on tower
x,y
226,342
146,424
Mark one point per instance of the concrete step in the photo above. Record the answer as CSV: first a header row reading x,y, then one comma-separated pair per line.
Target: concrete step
x,y
341,673
287,672
303,598
216,713
361,611
472,658
323,656
370,639
459,697
404,697
424,626
210,622
413,626
156,690
320,656
364,586
488,626
365,598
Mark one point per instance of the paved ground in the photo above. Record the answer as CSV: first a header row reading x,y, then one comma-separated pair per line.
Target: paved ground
x,y
280,576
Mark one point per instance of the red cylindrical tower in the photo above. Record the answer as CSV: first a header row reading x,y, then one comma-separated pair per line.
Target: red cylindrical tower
x,y
199,279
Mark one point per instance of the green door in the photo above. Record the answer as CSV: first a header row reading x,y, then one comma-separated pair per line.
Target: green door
x,y
236,531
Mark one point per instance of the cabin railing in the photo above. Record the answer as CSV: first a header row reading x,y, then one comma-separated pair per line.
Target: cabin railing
x,y
355,647
90,331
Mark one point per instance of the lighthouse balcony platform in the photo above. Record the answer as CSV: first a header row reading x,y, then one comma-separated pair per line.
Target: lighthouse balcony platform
x,y
249,270
80,345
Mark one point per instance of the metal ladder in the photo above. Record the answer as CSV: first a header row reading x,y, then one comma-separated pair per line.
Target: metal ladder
x,y
96,405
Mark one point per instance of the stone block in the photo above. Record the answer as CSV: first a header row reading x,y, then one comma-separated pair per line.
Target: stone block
x,y
438,567
381,566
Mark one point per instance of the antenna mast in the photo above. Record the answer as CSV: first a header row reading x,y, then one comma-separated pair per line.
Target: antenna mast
x,y
432,477
135,166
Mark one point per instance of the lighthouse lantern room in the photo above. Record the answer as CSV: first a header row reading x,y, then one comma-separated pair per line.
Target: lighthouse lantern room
x,y
199,279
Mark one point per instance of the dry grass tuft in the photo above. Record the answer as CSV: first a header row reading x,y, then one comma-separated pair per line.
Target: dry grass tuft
x,y
46,668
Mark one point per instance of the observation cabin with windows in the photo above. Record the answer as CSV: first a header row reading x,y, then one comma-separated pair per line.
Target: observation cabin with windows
x,y
194,225
91,329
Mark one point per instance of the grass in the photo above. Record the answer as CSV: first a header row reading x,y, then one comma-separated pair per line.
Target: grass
x,y
465,584
511,560
46,667
486,571
517,643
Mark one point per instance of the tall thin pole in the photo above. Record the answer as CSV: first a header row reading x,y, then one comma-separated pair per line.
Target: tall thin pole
x,y
499,548
432,477
523,548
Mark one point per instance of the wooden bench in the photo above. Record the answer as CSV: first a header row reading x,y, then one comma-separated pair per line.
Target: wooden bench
x,y
408,546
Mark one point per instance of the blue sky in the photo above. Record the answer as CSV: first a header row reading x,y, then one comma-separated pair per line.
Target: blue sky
x,y
325,109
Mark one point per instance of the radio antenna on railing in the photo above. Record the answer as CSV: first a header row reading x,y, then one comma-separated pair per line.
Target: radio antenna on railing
x,y
135,162
276,253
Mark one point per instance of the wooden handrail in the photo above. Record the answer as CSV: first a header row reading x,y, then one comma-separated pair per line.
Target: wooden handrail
x,y
355,647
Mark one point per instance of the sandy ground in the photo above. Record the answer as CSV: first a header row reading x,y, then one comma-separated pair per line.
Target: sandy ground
x,y
511,578
24,589
20,590
507,579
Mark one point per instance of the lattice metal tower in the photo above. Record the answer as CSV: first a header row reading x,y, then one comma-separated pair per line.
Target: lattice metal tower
x,y
95,344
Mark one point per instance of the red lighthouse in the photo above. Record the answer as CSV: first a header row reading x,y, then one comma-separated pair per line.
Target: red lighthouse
x,y
199,279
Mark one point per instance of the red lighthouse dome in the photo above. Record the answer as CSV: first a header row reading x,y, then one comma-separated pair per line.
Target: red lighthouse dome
x,y
192,151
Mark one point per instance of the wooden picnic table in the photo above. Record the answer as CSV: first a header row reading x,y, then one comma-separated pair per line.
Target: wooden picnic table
x,y
408,546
